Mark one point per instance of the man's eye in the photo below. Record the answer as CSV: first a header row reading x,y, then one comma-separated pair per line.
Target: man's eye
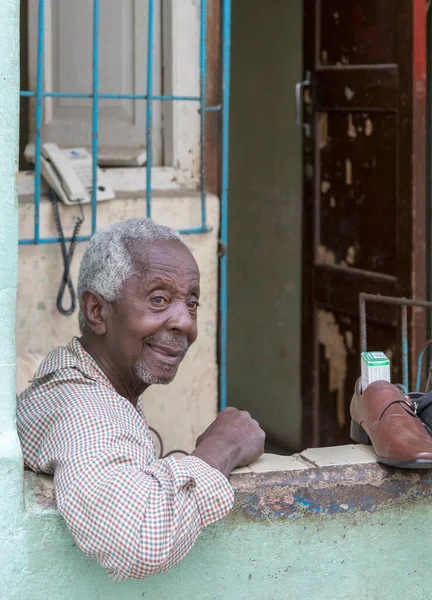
x,y
159,301
193,304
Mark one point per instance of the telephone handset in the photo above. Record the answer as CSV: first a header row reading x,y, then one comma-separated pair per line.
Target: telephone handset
x,y
69,173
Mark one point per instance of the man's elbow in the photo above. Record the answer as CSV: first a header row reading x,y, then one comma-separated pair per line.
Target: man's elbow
x,y
154,556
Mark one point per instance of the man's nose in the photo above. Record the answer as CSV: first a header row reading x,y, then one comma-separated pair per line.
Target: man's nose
x,y
182,320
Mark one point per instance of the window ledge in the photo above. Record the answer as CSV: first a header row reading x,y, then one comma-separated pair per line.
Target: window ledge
x,y
322,531
318,481
129,182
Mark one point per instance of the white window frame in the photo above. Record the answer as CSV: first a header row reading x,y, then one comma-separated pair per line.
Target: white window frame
x,y
181,46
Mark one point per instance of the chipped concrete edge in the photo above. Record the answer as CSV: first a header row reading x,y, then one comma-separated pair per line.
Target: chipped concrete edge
x,y
304,492
328,491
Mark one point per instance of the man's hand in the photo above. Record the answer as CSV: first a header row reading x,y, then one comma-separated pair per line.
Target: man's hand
x,y
233,440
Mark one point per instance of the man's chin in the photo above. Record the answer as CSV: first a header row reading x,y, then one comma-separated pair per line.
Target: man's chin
x,y
155,378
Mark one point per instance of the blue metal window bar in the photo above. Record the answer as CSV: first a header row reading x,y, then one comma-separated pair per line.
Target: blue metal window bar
x,y
39,94
95,95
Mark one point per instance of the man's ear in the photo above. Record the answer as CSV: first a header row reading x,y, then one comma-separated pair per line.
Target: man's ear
x,y
95,309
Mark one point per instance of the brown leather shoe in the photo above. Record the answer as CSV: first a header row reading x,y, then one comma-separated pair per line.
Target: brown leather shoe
x,y
385,417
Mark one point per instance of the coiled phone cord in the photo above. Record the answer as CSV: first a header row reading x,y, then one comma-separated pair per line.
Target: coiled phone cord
x,y
67,256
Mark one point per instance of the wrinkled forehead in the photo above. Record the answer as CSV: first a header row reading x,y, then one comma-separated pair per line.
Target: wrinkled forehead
x,y
164,259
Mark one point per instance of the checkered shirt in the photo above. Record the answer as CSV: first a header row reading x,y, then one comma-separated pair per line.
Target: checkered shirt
x,y
134,514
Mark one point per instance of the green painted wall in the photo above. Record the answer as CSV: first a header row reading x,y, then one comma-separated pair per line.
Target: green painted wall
x,y
9,123
264,246
286,539
11,546
380,557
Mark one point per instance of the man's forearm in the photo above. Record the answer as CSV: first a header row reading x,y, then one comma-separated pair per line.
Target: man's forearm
x,y
217,455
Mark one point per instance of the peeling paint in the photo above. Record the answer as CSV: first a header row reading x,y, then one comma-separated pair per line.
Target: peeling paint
x,y
325,186
352,133
309,170
350,257
325,255
323,128
349,93
348,171
336,354
349,340
368,127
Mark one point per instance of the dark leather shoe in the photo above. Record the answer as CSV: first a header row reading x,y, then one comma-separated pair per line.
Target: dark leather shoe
x,y
385,417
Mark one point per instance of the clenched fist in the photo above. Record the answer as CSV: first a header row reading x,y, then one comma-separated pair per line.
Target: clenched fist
x,y
233,440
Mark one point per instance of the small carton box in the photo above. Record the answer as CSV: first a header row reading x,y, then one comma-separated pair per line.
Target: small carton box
x,y
375,366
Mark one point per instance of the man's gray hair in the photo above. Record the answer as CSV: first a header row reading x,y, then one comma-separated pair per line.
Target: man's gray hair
x,y
107,262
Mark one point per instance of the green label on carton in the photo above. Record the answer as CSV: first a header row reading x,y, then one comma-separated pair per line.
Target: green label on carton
x,y
375,359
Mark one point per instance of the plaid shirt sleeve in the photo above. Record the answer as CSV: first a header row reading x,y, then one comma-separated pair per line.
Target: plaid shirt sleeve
x,y
134,514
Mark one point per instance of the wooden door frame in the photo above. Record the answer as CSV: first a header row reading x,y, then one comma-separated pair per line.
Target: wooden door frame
x,y
411,154
419,177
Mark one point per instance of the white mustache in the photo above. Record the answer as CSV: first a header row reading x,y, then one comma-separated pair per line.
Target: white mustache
x,y
169,341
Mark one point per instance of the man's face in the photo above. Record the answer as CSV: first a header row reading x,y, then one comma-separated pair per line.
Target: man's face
x,y
154,322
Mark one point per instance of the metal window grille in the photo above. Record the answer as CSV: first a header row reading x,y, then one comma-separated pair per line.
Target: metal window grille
x,y
39,94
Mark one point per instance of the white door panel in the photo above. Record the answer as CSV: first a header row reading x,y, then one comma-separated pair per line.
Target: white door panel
x,y
122,70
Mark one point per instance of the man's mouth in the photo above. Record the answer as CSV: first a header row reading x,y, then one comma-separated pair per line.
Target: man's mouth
x,y
165,354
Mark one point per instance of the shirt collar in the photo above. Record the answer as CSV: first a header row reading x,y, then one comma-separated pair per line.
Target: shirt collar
x,y
73,356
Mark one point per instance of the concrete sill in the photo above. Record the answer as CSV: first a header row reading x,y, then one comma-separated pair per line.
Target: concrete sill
x,y
328,524
128,183
319,482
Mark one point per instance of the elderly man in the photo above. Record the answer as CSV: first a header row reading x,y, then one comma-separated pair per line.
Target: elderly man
x,y
82,420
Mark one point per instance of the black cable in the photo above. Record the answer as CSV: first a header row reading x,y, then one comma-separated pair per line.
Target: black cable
x,y
160,440
176,452
159,437
67,256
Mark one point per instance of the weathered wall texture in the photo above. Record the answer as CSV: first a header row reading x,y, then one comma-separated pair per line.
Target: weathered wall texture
x,y
333,525
11,500
180,411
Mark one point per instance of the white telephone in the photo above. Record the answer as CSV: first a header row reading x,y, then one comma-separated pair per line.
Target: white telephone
x,y
69,173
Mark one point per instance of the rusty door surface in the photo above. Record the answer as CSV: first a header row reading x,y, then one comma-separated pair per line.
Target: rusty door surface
x,y
364,193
